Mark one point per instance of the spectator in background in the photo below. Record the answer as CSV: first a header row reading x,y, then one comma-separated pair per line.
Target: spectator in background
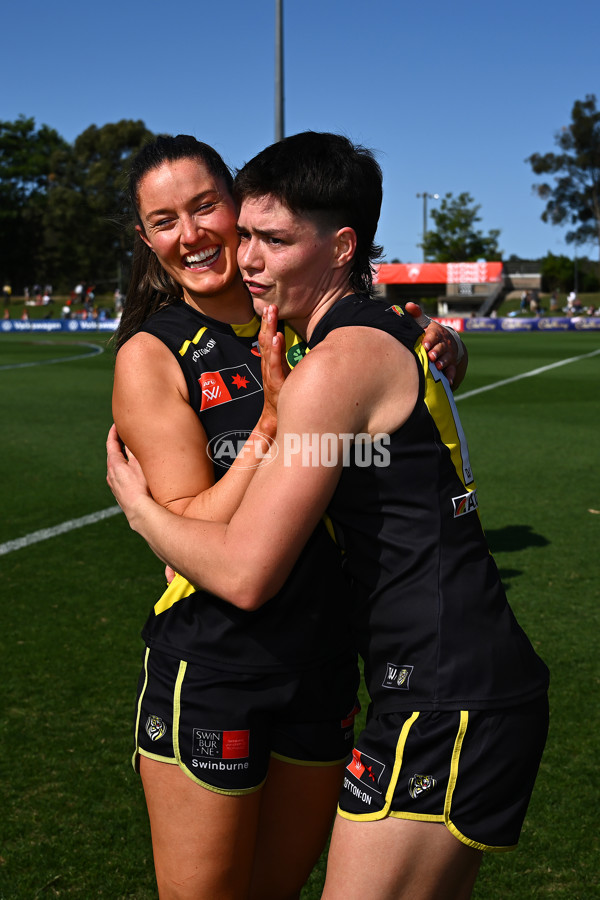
x,y
89,298
6,293
534,305
119,300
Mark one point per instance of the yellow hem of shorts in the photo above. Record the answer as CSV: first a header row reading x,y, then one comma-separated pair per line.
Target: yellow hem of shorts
x,y
307,762
178,759
139,751
416,817
489,848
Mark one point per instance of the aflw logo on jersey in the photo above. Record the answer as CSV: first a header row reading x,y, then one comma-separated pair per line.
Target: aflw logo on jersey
x,y
365,769
227,384
465,504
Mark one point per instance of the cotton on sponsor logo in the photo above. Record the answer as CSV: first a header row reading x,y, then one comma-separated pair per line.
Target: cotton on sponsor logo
x,y
361,795
203,351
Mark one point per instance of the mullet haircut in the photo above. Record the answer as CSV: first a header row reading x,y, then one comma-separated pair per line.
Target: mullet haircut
x,y
327,178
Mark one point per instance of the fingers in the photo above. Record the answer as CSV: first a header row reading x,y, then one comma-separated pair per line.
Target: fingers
x,y
113,442
413,309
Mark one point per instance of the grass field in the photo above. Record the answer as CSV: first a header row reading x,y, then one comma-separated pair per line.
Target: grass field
x,y
73,822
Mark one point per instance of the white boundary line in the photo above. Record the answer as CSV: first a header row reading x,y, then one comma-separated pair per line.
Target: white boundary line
x,y
72,524
497,384
97,349
46,533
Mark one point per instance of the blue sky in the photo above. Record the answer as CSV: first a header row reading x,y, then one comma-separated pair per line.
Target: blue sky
x,y
453,97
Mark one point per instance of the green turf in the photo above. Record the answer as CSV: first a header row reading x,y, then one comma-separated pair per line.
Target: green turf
x,y
73,821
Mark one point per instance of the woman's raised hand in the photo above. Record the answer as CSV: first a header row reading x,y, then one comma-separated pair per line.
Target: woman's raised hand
x,y
273,364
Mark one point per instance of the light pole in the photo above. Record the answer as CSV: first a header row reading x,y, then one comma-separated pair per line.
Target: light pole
x,y
279,101
425,196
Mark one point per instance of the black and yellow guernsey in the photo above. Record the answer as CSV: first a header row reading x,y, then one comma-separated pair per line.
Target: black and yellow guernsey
x,y
306,623
431,618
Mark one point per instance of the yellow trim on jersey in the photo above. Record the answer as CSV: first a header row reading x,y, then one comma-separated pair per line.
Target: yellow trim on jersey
x,y
186,344
440,402
248,329
179,588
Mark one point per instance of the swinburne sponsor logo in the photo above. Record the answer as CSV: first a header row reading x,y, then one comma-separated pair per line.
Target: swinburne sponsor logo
x,y
213,749
254,448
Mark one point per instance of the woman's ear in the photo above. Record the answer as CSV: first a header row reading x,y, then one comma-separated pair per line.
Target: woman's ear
x,y
345,246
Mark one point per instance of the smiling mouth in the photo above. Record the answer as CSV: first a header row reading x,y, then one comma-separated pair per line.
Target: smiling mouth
x,y
202,259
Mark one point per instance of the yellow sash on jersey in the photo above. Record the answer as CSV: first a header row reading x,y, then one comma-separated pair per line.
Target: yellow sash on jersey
x,y
179,588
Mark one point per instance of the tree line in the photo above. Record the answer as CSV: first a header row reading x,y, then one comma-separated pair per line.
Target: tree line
x,y
64,216
63,210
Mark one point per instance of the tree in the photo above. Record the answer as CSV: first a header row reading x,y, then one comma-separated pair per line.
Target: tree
x,y
575,196
455,238
26,169
86,233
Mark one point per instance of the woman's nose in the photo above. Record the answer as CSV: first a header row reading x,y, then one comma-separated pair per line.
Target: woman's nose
x,y
190,230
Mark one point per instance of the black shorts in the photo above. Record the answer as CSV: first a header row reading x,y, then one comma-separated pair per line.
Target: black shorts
x,y
473,771
222,727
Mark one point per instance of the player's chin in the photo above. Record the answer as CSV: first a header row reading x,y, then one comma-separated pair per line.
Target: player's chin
x,y
259,305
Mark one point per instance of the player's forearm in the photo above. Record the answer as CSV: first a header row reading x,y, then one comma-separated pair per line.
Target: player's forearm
x,y
205,553
219,502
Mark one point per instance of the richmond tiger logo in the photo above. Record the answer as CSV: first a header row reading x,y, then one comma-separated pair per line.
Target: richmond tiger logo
x,y
155,728
420,784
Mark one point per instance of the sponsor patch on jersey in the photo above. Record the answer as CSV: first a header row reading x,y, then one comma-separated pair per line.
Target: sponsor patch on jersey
x,y
296,353
395,309
420,784
211,744
366,769
464,504
155,728
397,677
227,384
